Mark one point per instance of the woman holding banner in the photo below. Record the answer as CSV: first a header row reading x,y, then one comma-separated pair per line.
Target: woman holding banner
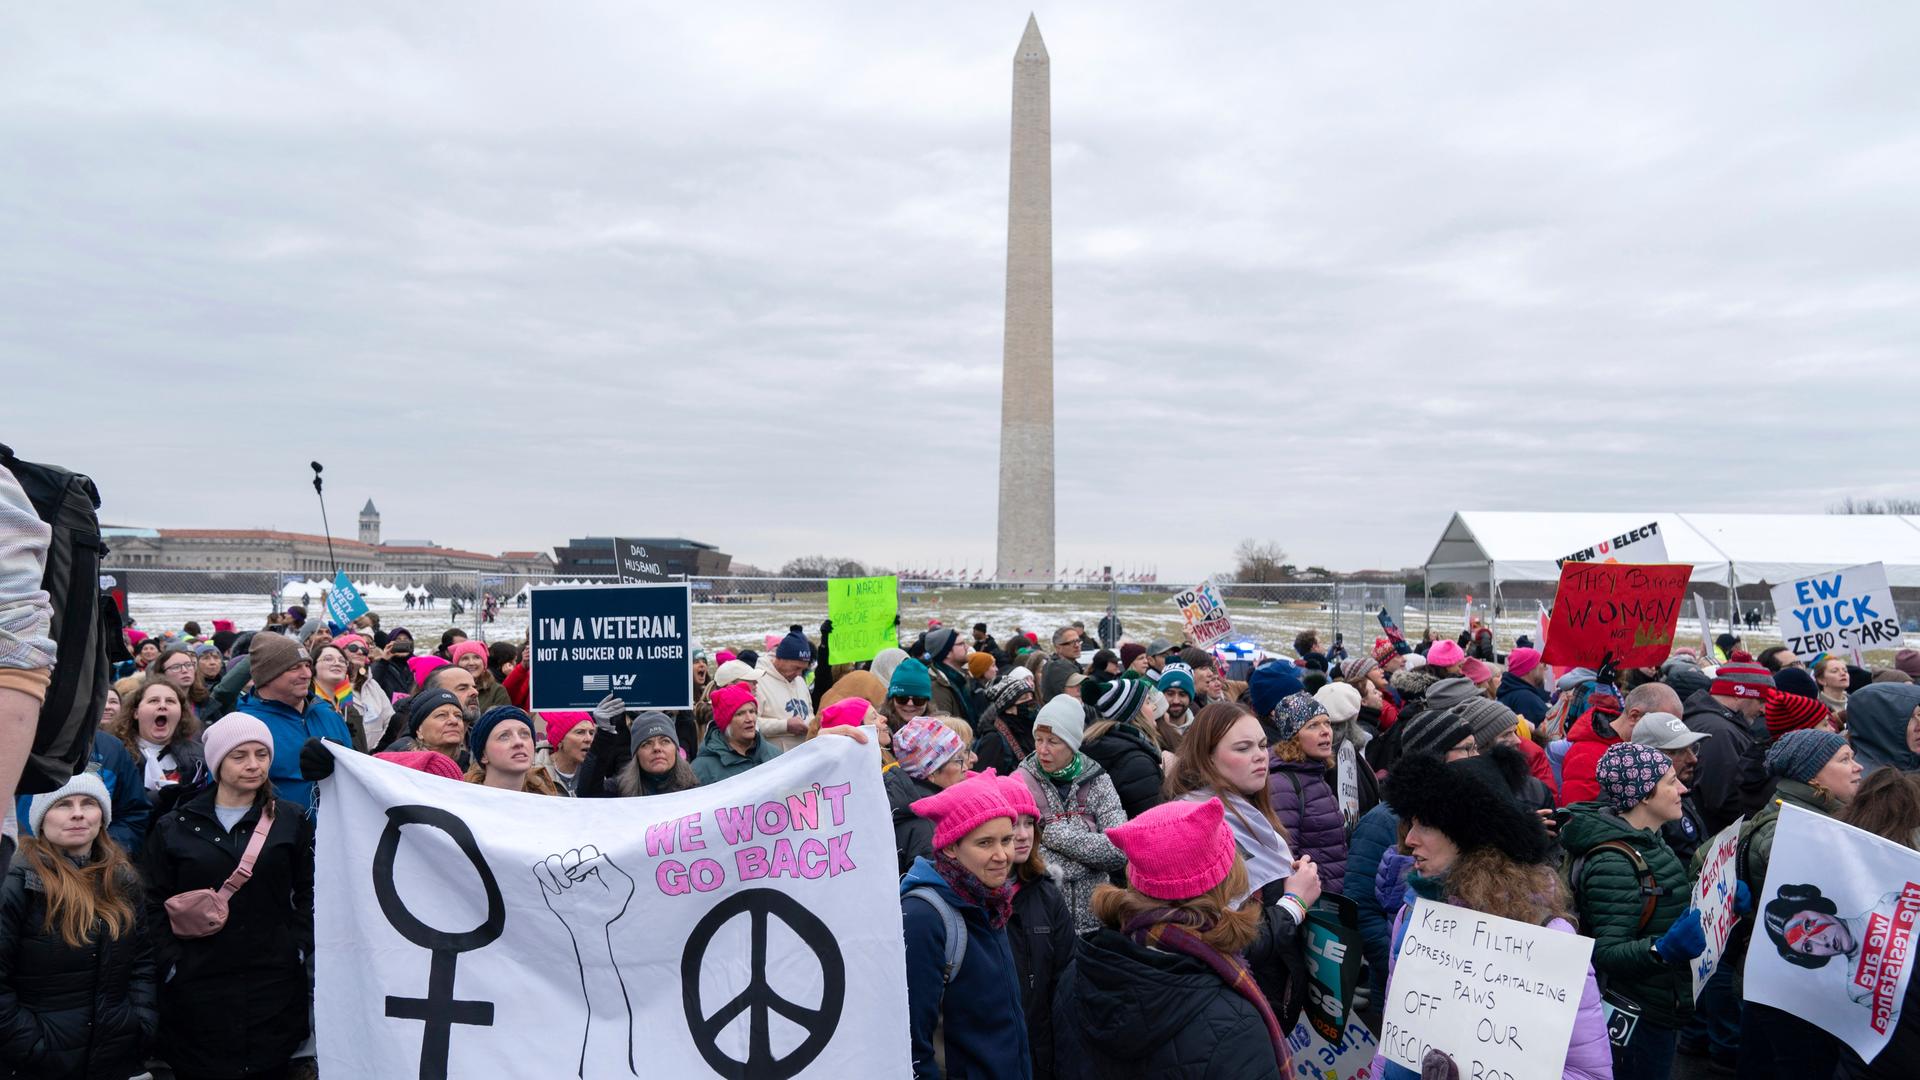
x,y
1474,846
1642,941
1817,773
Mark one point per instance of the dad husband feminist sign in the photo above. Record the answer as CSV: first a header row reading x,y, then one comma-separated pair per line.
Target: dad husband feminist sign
x,y
749,928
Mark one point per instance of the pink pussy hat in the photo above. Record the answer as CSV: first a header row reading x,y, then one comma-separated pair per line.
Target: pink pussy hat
x,y
964,807
1445,653
847,712
1177,850
1018,795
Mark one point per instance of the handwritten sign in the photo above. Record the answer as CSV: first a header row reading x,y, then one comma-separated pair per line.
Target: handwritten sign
x,y
1844,612
1205,614
863,611
1641,545
1622,609
1713,897
1497,995
1314,1058
1833,931
643,926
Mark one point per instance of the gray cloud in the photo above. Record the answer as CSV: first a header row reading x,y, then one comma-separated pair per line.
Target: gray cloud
x,y
521,273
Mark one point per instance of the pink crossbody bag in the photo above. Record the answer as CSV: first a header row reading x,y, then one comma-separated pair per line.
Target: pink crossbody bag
x,y
203,912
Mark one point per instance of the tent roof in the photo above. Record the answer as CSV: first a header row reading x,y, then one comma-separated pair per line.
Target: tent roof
x,y
1771,548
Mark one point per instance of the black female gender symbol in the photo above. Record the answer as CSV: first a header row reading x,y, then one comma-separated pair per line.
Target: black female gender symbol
x,y
438,1009
759,998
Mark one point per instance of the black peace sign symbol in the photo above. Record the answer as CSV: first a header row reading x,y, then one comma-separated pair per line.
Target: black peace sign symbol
x,y
759,998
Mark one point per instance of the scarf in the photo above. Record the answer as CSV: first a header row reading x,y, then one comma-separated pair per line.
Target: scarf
x,y
1171,930
160,768
1267,855
1068,774
339,697
997,903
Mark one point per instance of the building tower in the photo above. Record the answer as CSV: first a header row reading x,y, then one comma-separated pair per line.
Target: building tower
x,y
369,524
1025,549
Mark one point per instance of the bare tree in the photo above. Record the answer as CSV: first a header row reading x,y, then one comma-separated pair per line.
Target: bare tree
x,y
1259,563
823,566
1851,505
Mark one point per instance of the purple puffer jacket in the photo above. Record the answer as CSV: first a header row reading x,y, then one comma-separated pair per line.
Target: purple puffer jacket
x,y
1305,804
1589,1054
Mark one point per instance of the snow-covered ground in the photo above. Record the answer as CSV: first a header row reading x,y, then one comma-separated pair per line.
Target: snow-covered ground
x,y
738,625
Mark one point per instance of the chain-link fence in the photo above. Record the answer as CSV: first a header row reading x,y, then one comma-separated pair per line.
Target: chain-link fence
x,y
744,609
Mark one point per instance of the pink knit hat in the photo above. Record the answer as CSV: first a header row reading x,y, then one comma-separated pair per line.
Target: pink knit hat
x,y
731,699
1445,653
560,721
233,730
1476,671
1177,850
345,640
1522,660
478,648
1018,794
723,656
964,807
431,762
924,744
850,712
423,665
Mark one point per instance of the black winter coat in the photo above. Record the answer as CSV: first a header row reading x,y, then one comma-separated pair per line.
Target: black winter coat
x,y
912,834
993,749
1126,1012
1132,764
67,1013
233,1002
1041,934
394,676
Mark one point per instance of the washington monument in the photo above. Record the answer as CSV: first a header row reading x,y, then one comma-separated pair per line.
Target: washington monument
x,y
1026,381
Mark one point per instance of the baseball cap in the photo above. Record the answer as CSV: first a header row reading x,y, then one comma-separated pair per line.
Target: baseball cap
x,y
1665,731
1159,645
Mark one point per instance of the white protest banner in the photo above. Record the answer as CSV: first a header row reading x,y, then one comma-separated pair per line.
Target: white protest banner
x,y
1834,929
1713,897
745,928
1706,630
1205,614
1316,1059
1496,995
1841,612
1641,545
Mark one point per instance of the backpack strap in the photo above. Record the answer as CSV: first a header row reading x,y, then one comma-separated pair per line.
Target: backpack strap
x,y
1650,888
955,926
244,872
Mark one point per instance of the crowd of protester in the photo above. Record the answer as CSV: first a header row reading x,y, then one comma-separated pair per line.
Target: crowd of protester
x,y
1107,855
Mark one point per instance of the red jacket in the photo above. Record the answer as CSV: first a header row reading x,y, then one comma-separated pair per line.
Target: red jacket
x,y
1539,765
515,684
1577,783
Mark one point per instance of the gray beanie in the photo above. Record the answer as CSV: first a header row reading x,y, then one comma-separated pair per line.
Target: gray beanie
x,y
1799,755
1432,731
1447,693
1488,719
648,724
81,783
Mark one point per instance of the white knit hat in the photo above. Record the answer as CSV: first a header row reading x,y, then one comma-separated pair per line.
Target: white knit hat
x,y
1066,718
83,783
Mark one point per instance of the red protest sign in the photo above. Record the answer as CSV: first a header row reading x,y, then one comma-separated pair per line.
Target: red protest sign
x,y
1624,609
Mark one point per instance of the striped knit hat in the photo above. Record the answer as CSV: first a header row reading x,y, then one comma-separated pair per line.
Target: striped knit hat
x,y
1119,699
1741,680
1792,712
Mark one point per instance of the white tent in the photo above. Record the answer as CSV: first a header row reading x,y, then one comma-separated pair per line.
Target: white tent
x,y
1725,549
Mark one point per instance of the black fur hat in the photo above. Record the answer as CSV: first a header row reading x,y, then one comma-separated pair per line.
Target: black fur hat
x,y
1471,801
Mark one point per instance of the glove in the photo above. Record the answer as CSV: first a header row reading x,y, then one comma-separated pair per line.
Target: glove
x,y
1609,673
611,708
1437,1065
826,627
1684,940
316,761
1742,899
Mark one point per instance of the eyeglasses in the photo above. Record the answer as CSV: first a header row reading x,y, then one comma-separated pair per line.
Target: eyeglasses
x,y
175,669
911,700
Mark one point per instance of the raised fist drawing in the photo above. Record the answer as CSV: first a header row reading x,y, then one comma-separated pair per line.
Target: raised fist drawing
x,y
585,889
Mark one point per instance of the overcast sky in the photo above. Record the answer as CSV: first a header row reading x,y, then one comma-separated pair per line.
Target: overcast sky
x,y
1323,273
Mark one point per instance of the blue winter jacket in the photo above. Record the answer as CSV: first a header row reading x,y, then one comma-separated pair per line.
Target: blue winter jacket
x,y
985,1026
126,786
291,730
1377,831
1523,697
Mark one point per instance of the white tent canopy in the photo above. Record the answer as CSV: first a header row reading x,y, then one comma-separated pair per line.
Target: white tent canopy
x,y
1738,549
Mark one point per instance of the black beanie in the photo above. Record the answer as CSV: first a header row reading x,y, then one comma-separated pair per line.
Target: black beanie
x,y
1470,802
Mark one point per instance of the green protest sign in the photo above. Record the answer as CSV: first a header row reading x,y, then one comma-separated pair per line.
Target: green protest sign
x,y
863,611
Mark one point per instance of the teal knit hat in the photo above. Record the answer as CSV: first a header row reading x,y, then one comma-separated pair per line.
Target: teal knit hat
x,y
910,679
